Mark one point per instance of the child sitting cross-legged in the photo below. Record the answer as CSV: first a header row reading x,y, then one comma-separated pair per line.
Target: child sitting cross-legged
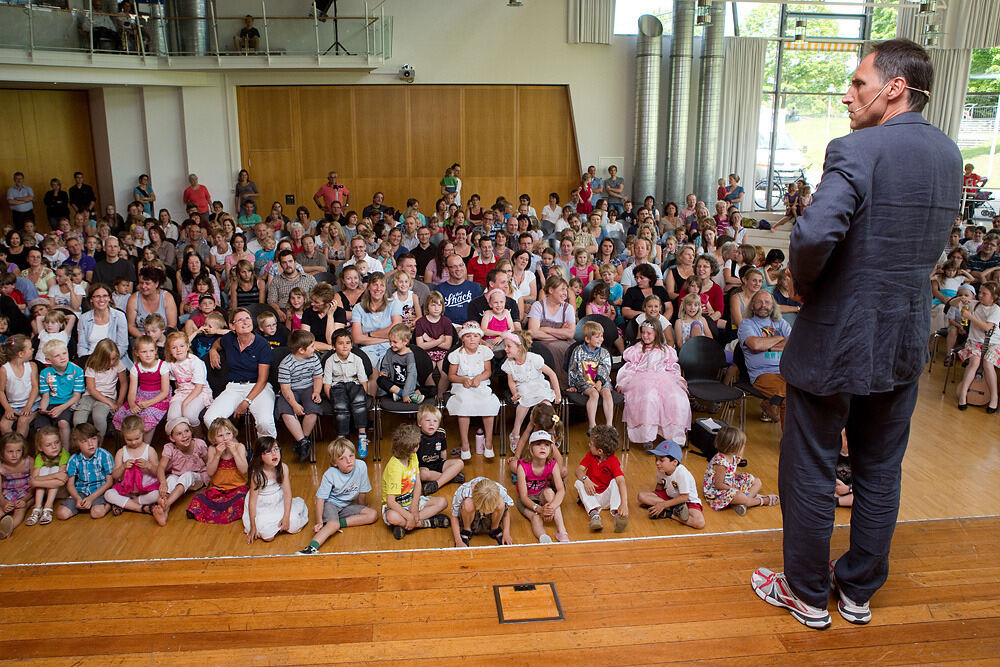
x,y
300,378
341,496
723,486
480,507
540,488
48,475
89,472
222,502
404,507
600,481
182,467
136,488
436,469
269,507
676,493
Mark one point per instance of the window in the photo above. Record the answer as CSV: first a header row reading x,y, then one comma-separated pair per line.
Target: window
x,y
979,133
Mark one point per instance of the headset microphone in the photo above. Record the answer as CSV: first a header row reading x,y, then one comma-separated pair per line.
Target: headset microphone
x,y
862,108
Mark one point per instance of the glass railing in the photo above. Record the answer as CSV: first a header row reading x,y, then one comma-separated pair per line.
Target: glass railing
x,y
156,32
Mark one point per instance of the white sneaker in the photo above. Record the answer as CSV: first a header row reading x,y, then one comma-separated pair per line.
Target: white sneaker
x,y
858,614
544,539
489,454
466,455
772,588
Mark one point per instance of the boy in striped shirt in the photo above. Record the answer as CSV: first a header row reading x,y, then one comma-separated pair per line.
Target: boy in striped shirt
x,y
300,378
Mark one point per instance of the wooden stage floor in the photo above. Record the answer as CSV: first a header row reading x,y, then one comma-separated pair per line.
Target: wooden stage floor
x,y
654,601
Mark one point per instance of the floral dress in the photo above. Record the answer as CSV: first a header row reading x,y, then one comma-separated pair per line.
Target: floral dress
x,y
224,500
719,499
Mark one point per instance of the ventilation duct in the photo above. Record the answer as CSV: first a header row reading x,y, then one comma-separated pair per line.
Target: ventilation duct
x,y
649,52
189,32
710,112
681,57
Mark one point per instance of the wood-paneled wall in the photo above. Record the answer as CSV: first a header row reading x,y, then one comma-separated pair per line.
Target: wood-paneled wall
x,y
400,138
45,134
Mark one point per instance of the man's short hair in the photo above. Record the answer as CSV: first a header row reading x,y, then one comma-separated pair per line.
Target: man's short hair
x,y
285,253
906,59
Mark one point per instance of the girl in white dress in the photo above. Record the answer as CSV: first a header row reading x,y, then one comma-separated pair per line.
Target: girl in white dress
x,y
471,396
192,393
269,507
531,381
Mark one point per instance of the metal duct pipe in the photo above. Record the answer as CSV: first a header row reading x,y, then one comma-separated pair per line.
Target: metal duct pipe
x,y
710,117
191,29
680,98
158,28
649,52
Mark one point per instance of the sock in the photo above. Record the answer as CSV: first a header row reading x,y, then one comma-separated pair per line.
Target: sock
x,y
314,544
343,523
595,512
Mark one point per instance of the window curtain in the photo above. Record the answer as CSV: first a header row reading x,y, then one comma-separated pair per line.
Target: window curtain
x,y
742,86
970,24
951,79
590,21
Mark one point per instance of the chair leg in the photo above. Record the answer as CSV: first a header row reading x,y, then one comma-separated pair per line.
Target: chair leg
x,y
376,452
502,417
565,425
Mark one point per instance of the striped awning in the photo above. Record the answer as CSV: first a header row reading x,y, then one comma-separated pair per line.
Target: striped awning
x,y
807,45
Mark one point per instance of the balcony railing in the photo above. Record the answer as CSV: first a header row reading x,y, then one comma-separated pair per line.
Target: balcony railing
x,y
29,27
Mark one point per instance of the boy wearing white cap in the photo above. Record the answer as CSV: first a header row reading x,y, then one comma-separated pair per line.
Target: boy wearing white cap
x,y
676,492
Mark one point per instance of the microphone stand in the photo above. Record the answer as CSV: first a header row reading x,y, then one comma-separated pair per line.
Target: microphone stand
x,y
336,47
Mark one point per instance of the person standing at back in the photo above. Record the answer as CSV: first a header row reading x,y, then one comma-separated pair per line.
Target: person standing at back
x,y
860,342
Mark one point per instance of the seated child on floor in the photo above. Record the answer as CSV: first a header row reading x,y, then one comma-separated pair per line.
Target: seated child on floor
x,y
136,488
723,486
542,417
676,493
436,469
480,507
404,507
265,513
341,496
48,475
15,485
222,501
89,471
600,481
182,467
540,489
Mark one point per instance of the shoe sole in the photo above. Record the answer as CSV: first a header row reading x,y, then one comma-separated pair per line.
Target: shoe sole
x,y
849,616
813,623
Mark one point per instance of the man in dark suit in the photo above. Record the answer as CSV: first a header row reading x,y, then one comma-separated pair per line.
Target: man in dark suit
x,y
860,257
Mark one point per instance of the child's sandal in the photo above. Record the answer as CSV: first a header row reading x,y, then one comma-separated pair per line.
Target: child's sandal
x,y
497,535
465,536
147,509
33,518
768,500
117,511
46,517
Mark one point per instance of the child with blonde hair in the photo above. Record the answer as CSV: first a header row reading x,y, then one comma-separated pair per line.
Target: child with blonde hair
x,y
61,385
341,496
18,386
48,475
222,502
690,322
481,507
54,326
149,388
471,396
404,295
15,482
540,489
106,380
723,486
436,469
192,393
136,488
530,381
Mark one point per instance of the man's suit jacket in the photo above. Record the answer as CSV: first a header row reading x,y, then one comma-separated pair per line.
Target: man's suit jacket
x,y
861,257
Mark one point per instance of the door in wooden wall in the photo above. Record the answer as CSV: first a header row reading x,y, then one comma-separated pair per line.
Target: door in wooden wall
x,y
399,139
45,134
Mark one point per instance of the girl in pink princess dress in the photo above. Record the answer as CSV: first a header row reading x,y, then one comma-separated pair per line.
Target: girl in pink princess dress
x,y
656,398
192,394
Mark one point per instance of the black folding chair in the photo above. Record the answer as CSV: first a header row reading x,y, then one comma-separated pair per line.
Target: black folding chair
x,y
701,360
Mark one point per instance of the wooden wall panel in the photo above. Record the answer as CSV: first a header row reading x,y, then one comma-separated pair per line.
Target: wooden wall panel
x,y
400,138
45,134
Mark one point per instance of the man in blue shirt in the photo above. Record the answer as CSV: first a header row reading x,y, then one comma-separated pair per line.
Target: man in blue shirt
x,y
457,291
248,360
762,335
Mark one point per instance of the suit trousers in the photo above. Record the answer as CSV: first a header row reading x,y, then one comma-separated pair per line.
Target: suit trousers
x,y
878,427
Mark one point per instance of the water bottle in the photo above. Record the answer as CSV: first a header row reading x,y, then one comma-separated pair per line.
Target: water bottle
x,y
480,441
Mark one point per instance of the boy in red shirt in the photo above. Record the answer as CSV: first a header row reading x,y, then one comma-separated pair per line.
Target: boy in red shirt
x,y
971,182
600,482
7,282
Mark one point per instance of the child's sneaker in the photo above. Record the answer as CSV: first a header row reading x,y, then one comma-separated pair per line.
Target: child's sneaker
x,y
740,509
6,527
544,539
489,454
858,614
562,537
429,487
398,532
458,479
621,523
514,437
416,397
596,525
466,455
772,588
302,448
681,512
362,445
308,551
